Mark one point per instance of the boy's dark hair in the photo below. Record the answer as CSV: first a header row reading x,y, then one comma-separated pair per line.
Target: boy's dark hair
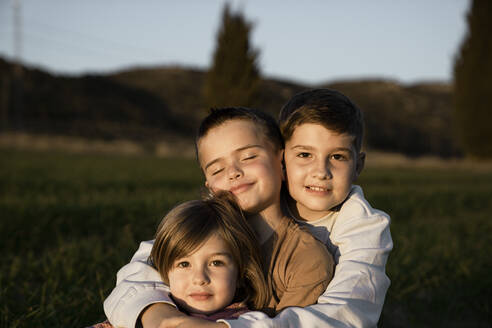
x,y
265,123
327,107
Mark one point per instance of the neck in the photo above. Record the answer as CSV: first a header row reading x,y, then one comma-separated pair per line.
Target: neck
x,y
266,222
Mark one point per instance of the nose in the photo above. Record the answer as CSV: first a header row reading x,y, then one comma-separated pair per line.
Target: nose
x,y
234,172
322,170
200,276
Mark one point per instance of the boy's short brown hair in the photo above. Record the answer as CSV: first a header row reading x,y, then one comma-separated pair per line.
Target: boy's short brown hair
x,y
327,107
265,123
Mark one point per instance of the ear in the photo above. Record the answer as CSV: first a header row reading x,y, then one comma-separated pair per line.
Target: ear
x,y
359,165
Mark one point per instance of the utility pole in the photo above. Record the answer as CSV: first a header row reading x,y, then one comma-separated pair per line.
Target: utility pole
x,y
17,101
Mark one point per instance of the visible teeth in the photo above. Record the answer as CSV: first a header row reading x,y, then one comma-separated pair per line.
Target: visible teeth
x,y
317,188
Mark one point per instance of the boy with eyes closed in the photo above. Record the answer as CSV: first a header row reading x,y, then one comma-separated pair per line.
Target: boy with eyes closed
x,y
323,136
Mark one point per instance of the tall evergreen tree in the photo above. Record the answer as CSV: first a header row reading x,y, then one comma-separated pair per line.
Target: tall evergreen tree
x,y
234,75
473,82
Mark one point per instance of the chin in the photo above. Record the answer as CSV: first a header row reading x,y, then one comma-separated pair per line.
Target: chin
x,y
320,207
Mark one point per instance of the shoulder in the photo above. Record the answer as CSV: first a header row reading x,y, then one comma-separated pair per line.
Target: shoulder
x,y
360,226
356,206
303,251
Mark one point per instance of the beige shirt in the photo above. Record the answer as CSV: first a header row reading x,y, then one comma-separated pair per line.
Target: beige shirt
x,y
299,267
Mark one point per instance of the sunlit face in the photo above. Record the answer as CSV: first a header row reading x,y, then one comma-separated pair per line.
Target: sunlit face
x,y
204,281
321,166
236,157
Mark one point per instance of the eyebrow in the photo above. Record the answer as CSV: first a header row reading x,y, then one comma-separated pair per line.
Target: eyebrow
x,y
311,148
304,147
236,150
226,254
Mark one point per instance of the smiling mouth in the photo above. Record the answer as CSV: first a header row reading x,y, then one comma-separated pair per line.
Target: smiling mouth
x,y
317,189
240,188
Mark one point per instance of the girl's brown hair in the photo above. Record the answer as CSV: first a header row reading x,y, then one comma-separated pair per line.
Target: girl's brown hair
x,y
187,226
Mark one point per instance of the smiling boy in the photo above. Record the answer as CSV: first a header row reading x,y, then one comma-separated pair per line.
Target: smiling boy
x,y
322,131
321,166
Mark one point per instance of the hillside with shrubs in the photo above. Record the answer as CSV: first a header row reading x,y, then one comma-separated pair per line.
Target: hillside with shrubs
x,y
150,105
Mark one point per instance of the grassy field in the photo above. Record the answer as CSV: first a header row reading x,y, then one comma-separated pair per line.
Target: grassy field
x,y
69,221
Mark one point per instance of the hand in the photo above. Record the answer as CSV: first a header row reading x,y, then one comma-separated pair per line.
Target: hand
x,y
162,315
191,322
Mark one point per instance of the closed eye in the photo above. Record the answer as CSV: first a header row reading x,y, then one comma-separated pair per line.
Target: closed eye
x,y
215,172
248,157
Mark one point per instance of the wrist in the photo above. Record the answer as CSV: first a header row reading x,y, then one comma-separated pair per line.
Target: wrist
x,y
160,315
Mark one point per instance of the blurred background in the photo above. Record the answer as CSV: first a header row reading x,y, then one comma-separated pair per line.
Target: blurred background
x,y
147,73
99,101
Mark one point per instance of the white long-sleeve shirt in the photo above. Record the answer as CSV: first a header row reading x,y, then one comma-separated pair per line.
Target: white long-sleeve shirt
x,y
359,238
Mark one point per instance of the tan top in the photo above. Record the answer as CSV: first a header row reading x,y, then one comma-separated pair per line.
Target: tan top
x,y
299,267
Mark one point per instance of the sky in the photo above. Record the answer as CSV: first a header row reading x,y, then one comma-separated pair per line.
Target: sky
x,y
312,41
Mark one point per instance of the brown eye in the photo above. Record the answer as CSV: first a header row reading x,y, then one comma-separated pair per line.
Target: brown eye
x,y
338,157
304,155
183,264
217,263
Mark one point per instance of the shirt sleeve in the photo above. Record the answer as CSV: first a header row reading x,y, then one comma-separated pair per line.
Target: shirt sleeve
x,y
355,295
138,285
307,274
358,289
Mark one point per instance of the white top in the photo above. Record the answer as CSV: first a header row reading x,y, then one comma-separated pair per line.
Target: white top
x,y
358,237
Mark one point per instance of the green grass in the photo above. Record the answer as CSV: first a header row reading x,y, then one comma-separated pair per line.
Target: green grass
x,y
69,222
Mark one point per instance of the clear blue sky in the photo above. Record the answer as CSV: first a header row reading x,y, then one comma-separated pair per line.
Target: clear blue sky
x,y
308,41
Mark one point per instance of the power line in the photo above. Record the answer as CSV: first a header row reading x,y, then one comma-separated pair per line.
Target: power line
x,y
97,39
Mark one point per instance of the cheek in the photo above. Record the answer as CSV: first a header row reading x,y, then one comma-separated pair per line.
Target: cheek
x,y
229,282
345,176
215,184
176,283
293,172
263,171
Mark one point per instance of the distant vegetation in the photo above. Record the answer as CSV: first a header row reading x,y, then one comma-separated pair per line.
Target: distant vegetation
x,y
153,104
473,82
234,75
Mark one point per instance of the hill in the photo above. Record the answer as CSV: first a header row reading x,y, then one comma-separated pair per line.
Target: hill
x,y
149,105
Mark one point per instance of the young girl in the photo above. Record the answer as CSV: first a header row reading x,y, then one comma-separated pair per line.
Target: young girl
x,y
208,255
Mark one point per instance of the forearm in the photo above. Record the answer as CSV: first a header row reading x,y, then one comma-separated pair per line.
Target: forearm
x,y
161,316
138,286
167,316
292,317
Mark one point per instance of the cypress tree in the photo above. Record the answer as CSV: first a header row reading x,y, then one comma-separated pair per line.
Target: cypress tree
x,y
473,82
234,74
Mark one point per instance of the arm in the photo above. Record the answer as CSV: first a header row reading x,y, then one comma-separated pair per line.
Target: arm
x,y
357,292
355,296
307,274
137,286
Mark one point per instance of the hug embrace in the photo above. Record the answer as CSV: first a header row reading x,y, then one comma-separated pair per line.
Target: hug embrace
x,y
284,239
